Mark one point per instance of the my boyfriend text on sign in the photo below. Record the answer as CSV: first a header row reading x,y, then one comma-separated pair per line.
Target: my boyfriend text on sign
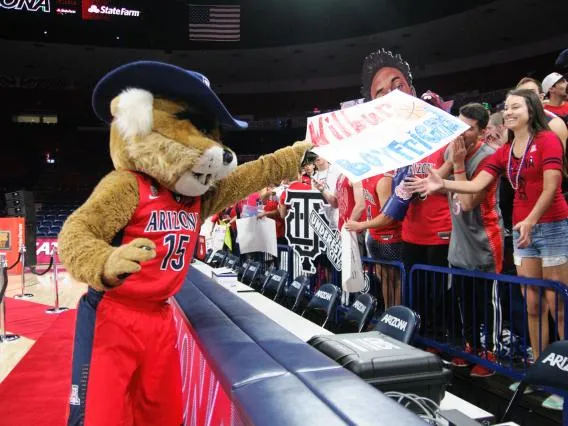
x,y
393,131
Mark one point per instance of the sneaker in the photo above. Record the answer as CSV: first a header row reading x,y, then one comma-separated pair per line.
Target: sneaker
x,y
513,388
481,370
554,402
460,362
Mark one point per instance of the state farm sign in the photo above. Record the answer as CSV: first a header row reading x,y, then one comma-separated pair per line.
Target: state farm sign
x,y
104,10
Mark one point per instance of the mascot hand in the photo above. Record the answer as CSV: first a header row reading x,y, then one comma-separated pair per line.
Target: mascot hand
x,y
398,203
126,259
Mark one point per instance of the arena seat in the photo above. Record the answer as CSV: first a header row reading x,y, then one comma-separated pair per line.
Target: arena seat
x,y
272,377
548,370
251,273
296,294
242,268
400,323
323,304
275,285
208,256
359,314
217,259
231,261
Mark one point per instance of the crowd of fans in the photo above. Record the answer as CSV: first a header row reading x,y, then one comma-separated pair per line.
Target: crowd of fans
x,y
459,210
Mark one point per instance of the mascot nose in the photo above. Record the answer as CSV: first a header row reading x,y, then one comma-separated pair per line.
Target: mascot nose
x,y
227,157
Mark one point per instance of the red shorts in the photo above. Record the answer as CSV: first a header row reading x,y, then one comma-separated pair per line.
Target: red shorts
x,y
125,364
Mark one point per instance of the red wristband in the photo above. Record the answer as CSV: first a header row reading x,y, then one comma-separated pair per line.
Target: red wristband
x,y
459,172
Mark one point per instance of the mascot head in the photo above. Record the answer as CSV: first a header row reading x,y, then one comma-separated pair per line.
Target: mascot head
x,y
165,122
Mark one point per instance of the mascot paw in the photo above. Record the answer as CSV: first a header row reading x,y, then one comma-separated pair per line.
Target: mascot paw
x,y
126,259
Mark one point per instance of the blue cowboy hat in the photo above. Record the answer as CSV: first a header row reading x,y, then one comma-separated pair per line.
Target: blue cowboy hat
x,y
165,80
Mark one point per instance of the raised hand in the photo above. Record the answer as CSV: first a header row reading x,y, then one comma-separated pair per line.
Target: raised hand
x,y
432,183
458,151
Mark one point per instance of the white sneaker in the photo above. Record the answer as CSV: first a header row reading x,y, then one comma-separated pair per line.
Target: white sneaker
x,y
528,389
554,402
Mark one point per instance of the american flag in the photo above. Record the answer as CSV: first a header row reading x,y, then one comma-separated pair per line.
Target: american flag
x,y
214,22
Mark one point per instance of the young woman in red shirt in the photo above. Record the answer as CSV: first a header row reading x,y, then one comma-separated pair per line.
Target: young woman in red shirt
x,y
532,160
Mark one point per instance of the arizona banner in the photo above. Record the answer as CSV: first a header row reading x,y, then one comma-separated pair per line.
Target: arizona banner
x,y
308,230
392,131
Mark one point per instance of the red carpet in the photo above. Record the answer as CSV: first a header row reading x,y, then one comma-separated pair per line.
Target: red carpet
x,y
27,318
37,390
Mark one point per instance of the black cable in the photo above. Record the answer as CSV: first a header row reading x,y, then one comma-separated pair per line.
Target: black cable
x,y
16,262
39,274
4,285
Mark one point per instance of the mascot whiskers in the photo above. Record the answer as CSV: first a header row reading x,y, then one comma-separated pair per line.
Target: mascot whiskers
x,y
132,241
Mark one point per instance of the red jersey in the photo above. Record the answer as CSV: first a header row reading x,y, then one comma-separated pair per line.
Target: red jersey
x,y
545,153
428,221
391,233
298,186
345,200
561,110
272,205
173,225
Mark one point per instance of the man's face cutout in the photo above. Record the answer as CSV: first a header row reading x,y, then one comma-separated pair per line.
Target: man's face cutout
x,y
388,79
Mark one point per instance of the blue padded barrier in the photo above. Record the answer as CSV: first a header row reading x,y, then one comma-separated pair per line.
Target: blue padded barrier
x,y
272,376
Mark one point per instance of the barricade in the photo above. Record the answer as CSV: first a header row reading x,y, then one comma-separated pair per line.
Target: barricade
x,y
458,305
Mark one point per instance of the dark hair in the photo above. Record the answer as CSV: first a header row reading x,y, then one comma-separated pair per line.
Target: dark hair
x,y
530,80
477,112
377,60
537,119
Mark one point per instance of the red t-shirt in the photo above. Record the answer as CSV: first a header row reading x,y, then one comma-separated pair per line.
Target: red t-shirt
x,y
545,153
272,205
173,225
561,110
299,186
389,234
428,221
345,200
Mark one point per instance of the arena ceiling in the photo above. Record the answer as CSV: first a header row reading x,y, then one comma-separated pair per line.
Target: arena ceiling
x,y
284,44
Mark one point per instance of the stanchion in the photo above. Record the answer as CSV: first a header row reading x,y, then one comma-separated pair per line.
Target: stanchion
x,y
23,295
4,337
56,309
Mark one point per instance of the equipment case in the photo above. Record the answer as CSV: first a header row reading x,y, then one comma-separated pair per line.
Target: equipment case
x,y
386,363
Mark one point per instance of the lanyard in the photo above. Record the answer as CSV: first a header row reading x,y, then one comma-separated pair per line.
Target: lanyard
x,y
521,164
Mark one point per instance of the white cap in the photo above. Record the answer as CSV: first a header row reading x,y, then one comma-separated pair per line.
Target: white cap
x,y
550,80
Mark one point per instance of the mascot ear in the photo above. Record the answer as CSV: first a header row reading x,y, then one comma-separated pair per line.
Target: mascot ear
x,y
133,112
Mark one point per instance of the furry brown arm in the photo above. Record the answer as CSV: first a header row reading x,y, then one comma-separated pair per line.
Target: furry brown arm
x,y
84,241
253,176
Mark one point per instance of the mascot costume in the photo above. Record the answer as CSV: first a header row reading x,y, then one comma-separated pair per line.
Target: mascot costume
x,y
133,240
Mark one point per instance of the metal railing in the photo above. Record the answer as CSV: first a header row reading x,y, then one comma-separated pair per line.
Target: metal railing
x,y
459,306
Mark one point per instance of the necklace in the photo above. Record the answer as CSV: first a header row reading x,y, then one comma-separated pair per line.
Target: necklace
x,y
509,168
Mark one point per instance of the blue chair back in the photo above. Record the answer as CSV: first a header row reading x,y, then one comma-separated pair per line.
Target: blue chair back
x,y
400,323
323,304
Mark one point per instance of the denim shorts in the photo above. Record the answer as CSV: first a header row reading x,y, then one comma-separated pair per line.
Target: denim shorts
x,y
549,242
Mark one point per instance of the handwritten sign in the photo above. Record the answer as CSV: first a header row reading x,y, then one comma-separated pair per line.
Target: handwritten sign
x,y
393,131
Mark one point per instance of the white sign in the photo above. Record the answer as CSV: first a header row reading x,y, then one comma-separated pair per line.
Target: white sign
x,y
392,131
308,230
257,235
